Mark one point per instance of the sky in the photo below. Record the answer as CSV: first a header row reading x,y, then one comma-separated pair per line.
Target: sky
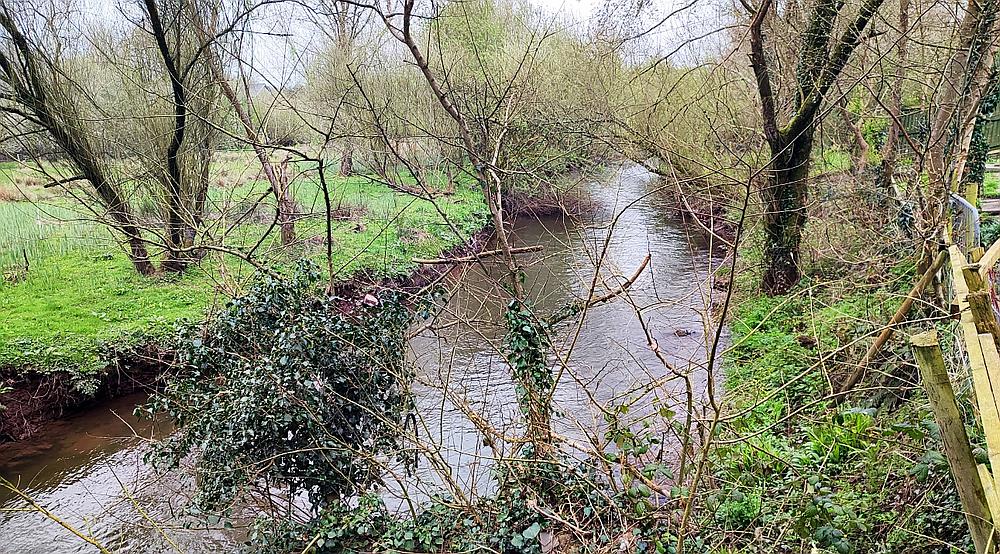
x,y
665,27
278,56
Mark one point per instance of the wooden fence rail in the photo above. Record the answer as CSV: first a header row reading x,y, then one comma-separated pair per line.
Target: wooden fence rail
x,y
973,287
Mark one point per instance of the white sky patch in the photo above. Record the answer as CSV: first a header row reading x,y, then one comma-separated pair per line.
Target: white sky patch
x,y
684,31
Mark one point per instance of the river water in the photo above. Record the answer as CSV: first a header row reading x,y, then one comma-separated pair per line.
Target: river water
x,y
88,470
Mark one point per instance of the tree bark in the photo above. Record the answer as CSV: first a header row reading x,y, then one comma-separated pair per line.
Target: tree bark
x,y
177,228
32,91
785,190
784,199
284,205
965,78
347,161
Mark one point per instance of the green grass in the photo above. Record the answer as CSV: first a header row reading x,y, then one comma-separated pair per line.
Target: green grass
x,y
70,306
830,160
991,185
36,231
388,228
80,294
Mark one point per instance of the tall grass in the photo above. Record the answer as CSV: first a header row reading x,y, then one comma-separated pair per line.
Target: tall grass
x,y
31,232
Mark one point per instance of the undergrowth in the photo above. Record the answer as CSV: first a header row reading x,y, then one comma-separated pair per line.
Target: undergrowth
x,y
795,472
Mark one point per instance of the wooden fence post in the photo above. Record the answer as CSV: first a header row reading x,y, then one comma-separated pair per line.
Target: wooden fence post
x,y
979,302
934,375
976,253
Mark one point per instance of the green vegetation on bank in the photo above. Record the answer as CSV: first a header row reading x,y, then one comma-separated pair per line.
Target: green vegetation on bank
x,y
795,468
991,185
78,294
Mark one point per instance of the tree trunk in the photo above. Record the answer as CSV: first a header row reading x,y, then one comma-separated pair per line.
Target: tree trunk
x,y
979,147
966,78
278,179
859,150
30,90
285,206
784,195
347,161
139,256
177,228
784,199
890,153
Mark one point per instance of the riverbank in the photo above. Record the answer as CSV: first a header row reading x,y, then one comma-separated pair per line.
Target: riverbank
x,y
460,358
795,469
80,325
84,328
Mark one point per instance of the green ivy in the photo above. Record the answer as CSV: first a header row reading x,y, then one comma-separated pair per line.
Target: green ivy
x,y
527,343
287,387
979,148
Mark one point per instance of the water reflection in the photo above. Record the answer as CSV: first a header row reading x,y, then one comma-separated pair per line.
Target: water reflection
x,y
88,471
603,360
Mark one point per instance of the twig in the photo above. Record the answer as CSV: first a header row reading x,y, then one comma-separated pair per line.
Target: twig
x,y
476,257
883,337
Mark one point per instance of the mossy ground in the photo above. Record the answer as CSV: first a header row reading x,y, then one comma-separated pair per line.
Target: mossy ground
x,y
78,293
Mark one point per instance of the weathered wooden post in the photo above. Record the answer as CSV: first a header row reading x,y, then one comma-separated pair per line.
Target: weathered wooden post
x,y
976,253
934,375
979,302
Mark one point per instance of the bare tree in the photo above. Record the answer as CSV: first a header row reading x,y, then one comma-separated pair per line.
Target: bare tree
x,y
965,80
38,91
821,59
890,150
179,228
255,136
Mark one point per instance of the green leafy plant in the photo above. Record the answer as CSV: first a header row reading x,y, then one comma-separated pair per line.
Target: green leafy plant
x,y
287,387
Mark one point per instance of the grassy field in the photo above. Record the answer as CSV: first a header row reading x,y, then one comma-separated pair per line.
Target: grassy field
x,y
77,292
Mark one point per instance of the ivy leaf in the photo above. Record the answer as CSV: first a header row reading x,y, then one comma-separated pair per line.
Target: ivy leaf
x,y
532,532
920,471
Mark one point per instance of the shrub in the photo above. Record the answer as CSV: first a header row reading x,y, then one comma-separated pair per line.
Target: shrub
x,y
289,388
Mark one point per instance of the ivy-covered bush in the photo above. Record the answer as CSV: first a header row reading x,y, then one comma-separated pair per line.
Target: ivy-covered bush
x,y
513,521
286,387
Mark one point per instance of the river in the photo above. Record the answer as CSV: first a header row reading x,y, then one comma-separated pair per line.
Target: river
x,y
88,469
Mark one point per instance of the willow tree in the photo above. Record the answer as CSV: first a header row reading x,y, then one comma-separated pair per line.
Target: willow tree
x,y
219,56
342,23
35,88
181,166
100,98
821,59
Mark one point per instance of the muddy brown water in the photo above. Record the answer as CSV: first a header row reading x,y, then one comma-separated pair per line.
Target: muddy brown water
x,y
89,471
